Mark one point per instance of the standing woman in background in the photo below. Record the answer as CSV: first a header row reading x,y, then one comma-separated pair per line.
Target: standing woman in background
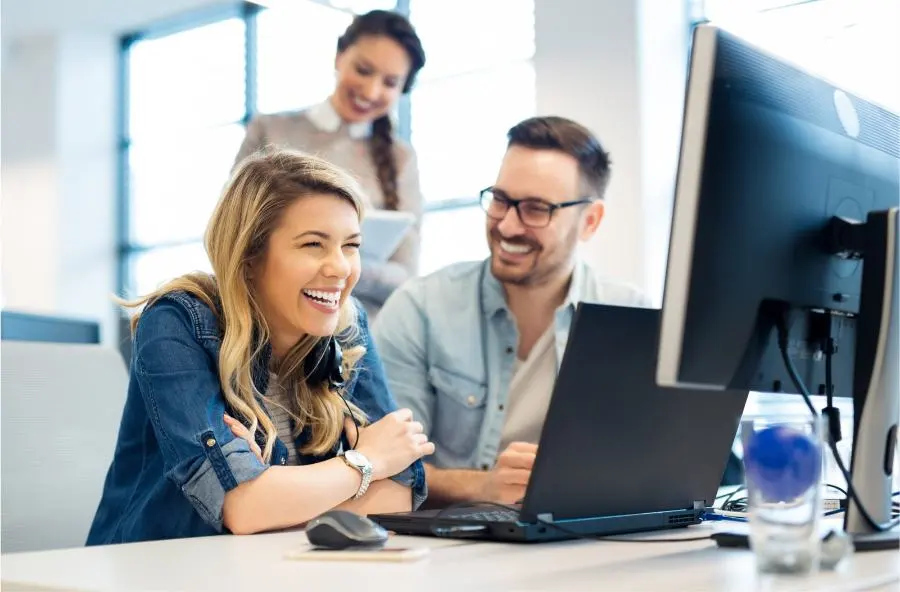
x,y
378,57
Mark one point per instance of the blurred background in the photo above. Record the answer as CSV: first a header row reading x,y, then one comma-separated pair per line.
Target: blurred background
x,y
121,119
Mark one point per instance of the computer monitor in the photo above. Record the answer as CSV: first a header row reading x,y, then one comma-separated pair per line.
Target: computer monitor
x,y
782,269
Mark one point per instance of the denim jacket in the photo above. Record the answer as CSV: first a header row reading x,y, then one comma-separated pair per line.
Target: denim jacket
x,y
448,342
175,458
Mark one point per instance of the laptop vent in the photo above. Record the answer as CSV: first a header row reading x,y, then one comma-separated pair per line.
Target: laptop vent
x,y
683,519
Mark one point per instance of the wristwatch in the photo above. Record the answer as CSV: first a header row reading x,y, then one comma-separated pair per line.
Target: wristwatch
x,y
359,462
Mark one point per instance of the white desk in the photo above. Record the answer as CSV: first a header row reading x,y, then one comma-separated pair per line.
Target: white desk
x,y
257,563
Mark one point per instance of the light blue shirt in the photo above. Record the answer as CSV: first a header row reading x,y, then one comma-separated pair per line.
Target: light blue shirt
x,y
451,361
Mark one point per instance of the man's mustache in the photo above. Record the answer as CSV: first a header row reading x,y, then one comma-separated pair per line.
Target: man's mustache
x,y
519,240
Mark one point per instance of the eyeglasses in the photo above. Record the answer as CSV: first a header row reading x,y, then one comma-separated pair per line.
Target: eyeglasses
x,y
533,212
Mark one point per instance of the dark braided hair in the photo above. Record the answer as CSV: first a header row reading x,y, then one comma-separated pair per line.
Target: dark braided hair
x,y
384,23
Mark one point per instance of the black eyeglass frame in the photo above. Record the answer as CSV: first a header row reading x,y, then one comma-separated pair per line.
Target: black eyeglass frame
x,y
514,203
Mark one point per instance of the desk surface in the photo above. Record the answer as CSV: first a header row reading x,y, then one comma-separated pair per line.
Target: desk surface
x,y
257,563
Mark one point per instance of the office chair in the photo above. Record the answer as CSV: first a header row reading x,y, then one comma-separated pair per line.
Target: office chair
x,y
59,418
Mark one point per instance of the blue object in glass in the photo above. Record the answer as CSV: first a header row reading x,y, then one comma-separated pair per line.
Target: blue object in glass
x,y
783,462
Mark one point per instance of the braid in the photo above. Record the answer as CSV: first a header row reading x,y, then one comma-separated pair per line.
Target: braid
x,y
381,148
386,23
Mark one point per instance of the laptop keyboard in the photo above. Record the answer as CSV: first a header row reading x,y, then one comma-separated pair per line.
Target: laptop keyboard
x,y
485,515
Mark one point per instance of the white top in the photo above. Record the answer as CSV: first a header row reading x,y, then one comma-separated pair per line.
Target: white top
x,y
277,404
530,392
324,116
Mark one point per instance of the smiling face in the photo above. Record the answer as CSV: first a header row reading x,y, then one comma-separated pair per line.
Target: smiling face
x,y
310,265
523,255
370,78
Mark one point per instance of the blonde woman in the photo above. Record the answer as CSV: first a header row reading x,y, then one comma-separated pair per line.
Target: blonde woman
x,y
240,416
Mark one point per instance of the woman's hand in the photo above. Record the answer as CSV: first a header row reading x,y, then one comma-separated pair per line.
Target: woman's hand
x,y
241,431
392,443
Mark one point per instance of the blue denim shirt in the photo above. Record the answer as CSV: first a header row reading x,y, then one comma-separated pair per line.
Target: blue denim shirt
x,y
175,458
451,359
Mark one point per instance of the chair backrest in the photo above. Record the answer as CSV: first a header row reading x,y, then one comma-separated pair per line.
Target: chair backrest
x,y
60,410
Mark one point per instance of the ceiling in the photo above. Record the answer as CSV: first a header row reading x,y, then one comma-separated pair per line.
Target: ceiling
x,y
19,18
22,18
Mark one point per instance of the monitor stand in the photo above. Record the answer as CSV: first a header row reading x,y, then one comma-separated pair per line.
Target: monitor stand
x,y
876,382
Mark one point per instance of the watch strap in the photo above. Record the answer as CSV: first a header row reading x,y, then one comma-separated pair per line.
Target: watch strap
x,y
365,471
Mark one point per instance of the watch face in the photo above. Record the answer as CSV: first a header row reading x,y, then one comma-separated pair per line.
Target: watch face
x,y
356,458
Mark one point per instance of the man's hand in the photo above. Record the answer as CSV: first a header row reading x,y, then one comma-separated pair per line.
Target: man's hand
x,y
507,481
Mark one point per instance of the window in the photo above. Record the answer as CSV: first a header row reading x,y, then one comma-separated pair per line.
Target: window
x,y
154,266
175,184
851,42
185,102
464,150
453,234
467,97
285,82
187,80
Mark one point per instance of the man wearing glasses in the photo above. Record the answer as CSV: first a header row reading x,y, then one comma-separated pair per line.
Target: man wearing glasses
x,y
474,349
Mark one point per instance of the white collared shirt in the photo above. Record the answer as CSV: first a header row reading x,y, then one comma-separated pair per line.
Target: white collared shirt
x,y
326,118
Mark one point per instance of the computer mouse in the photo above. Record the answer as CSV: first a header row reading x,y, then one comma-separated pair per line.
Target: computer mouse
x,y
340,529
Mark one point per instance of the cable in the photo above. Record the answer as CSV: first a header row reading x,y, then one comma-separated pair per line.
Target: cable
x,y
721,515
355,423
735,505
798,384
729,494
840,489
829,383
437,530
741,504
832,414
789,364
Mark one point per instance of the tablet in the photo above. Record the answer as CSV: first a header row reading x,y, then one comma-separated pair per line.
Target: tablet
x,y
382,232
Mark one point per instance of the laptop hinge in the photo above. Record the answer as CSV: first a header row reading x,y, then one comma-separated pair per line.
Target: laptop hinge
x,y
699,505
545,518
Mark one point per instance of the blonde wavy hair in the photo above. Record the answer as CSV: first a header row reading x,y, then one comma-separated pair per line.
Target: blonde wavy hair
x,y
262,186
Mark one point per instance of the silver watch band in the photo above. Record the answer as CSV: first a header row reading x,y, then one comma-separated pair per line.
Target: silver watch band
x,y
366,473
359,462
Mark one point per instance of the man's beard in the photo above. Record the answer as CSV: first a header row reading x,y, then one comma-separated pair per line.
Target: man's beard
x,y
543,264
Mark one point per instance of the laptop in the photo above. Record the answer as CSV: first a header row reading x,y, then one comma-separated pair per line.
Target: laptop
x,y
617,454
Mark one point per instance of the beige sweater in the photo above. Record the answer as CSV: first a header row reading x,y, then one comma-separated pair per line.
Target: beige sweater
x,y
320,131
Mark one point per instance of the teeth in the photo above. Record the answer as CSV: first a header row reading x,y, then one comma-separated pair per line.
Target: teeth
x,y
330,298
514,249
361,103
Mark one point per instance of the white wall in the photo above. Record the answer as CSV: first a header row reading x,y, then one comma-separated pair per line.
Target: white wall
x,y
619,67
30,230
58,176
24,18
